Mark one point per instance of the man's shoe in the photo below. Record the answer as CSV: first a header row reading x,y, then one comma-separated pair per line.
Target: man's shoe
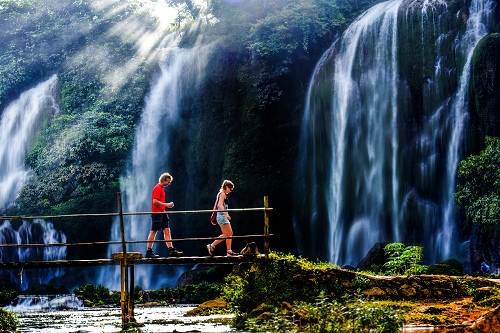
x,y
151,254
173,252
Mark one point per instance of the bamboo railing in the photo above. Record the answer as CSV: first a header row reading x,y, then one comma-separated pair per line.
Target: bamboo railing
x,y
128,260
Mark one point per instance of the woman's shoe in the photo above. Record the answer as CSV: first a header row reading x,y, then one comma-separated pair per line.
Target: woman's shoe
x,y
210,249
232,253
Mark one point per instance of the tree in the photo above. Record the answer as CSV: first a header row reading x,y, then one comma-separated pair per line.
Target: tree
x,y
403,259
478,191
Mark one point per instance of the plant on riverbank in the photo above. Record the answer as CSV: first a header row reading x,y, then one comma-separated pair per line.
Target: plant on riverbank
x,y
196,293
282,278
265,291
8,320
6,296
97,294
403,260
330,316
192,293
488,297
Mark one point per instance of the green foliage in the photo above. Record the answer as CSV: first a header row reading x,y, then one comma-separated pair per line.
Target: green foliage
x,y
478,190
282,278
162,295
8,320
468,286
488,297
6,297
448,267
195,293
485,85
272,35
79,168
103,78
97,294
324,316
403,260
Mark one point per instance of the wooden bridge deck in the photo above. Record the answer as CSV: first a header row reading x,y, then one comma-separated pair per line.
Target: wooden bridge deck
x,y
142,261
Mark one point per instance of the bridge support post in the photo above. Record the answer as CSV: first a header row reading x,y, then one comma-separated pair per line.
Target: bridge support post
x,y
131,292
127,268
127,313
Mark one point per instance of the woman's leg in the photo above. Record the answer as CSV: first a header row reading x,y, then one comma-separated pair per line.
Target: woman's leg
x,y
227,231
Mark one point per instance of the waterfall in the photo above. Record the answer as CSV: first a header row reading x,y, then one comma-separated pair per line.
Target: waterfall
x,y
19,123
480,15
24,303
180,70
380,148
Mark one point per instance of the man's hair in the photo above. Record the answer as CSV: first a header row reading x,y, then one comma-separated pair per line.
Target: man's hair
x,y
165,176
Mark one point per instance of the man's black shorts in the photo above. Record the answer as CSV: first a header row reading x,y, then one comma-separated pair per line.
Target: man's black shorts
x,y
159,221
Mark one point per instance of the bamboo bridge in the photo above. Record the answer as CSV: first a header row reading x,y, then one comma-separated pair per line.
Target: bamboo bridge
x,y
128,260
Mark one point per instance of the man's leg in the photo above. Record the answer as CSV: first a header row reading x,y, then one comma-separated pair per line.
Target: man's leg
x,y
151,238
172,251
167,236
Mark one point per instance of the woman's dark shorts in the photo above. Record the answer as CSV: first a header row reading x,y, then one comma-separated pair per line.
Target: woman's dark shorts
x,y
159,221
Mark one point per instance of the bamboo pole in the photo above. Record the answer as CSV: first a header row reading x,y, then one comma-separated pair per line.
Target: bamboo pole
x,y
131,293
129,242
266,228
124,271
49,217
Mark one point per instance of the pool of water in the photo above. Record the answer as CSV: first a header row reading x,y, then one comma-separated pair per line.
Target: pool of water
x,y
104,320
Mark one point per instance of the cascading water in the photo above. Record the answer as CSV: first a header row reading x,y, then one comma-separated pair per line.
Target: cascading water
x,y
45,303
18,125
382,132
180,70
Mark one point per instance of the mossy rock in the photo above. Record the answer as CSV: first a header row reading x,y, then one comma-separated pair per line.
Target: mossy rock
x,y
451,267
209,307
486,84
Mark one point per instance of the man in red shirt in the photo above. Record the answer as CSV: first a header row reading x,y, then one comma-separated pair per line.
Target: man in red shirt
x,y
160,221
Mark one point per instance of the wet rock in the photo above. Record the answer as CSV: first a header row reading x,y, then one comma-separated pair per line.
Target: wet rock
x,y
208,273
250,250
489,323
150,304
374,292
218,303
375,258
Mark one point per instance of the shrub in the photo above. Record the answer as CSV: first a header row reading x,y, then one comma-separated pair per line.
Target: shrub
x,y
6,297
197,292
97,294
8,320
448,267
487,297
324,316
282,278
403,260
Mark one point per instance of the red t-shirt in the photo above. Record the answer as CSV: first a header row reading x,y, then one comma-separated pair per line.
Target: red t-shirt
x,y
159,194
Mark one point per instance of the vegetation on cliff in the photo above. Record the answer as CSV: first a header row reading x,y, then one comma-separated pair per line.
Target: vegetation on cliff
x,y
104,54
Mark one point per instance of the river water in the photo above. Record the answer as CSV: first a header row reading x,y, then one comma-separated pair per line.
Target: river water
x,y
160,319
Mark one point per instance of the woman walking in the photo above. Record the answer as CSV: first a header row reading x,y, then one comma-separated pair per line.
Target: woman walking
x,y
223,219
